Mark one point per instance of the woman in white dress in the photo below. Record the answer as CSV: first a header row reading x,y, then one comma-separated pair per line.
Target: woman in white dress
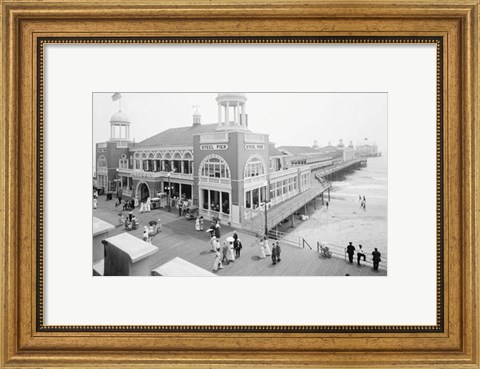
x,y
148,205
230,254
213,241
268,252
217,264
142,207
197,224
146,235
261,251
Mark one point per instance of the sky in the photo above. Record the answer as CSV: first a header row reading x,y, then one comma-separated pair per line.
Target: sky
x,y
290,119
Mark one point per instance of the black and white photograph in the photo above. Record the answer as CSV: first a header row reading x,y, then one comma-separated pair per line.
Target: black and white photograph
x,y
246,184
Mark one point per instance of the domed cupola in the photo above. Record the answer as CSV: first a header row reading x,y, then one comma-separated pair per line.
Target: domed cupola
x,y
119,123
232,112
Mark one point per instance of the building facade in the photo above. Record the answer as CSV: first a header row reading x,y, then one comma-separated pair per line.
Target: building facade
x,y
225,169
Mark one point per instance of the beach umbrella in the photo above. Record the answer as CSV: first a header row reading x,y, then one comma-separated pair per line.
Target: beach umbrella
x,y
230,239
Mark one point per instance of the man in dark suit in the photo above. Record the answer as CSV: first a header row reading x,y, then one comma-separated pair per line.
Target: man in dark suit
x,y
376,258
279,251
350,252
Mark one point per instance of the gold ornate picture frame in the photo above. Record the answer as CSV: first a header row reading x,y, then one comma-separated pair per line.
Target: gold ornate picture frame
x,y
26,27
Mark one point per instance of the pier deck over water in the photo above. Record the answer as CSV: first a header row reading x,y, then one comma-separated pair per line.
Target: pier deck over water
x,y
179,238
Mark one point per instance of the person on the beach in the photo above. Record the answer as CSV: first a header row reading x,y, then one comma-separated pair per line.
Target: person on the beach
x,y
350,252
360,198
326,203
376,258
360,254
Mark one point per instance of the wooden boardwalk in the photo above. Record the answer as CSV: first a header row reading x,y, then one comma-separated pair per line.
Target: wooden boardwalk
x,y
179,238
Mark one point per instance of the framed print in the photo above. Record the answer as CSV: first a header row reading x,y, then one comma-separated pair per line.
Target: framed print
x,y
231,185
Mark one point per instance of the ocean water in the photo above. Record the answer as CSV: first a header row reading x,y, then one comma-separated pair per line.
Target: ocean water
x,y
371,182
345,220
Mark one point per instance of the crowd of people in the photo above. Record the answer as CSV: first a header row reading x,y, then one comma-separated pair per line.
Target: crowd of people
x,y
230,249
360,253
265,251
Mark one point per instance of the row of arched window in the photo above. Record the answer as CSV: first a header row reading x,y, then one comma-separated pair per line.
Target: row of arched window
x,y
212,166
216,166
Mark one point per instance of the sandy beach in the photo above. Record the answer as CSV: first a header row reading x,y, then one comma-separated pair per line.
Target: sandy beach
x,y
345,220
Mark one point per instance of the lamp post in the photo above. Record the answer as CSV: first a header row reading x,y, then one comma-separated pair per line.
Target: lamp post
x,y
267,201
169,191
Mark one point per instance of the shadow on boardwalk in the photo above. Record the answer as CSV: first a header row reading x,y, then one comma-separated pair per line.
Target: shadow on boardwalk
x,y
179,238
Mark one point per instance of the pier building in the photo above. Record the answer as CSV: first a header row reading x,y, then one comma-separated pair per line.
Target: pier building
x,y
224,169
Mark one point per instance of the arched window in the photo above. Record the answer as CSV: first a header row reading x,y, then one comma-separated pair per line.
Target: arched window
x,y
177,162
123,162
166,163
187,163
214,166
255,166
102,161
137,162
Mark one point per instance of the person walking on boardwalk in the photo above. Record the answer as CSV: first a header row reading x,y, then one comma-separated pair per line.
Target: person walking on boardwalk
x,y
350,252
225,252
261,250
274,253
279,251
230,253
217,230
268,252
217,264
360,254
235,236
237,245
376,258
213,241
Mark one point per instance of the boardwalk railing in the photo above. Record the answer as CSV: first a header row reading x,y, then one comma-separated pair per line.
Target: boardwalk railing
x,y
254,219
290,239
341,252
337,167
337,251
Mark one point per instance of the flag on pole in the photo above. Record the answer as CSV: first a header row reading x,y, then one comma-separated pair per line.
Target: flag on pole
x,y
116,96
